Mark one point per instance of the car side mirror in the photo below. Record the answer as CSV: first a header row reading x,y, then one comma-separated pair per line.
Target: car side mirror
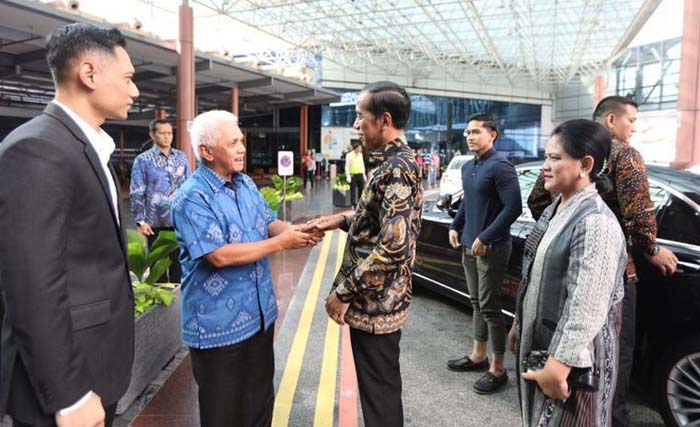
x,y
444,202
454,204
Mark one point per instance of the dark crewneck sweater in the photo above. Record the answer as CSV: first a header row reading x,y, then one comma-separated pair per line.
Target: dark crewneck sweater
x,y
491,201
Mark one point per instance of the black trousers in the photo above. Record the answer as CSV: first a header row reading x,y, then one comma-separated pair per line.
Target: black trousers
x,y
620,409
309,176
235,382
378,377
110,412
174,273
357,184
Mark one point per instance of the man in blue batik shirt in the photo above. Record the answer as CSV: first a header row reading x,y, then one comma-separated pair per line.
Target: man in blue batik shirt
x,y
156,176
226,230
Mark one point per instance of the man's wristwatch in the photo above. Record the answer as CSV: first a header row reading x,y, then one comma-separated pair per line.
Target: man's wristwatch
x,y
655,250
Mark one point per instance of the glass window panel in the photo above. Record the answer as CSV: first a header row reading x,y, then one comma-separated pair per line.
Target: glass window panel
x,y
519,124
651,73
527,180
680,223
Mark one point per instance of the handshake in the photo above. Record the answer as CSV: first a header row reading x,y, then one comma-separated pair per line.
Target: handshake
x,y
310,234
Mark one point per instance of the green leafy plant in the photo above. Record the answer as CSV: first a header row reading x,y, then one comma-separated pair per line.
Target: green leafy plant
x,y
271,197
341,183
274,195
294,183
151,263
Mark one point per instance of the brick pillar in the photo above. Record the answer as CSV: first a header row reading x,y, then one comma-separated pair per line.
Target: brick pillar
x,y
598,90
688,136
160,113
185,80
234,102
303,133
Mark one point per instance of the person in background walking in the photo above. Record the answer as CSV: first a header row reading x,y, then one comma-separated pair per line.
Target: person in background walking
x,y
355,172
309,165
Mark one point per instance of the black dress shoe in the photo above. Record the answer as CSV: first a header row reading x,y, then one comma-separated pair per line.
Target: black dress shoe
x,y
465,364
490,383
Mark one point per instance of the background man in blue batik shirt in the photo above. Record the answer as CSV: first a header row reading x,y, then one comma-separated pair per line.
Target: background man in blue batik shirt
x,y
156,176
226,230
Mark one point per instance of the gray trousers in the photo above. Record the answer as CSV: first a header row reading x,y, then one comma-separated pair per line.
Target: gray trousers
x,y
484,280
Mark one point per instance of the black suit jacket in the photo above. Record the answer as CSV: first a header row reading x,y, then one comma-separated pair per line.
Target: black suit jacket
x,y
68,325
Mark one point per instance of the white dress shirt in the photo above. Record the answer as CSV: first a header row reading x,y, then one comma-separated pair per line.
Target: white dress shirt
x,y
103,145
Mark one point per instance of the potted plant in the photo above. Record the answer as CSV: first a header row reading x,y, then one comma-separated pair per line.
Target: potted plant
x,y
276,196
272,198
157,330
341,192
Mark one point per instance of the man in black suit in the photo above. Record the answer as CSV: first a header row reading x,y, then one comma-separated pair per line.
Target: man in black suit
x,y
68,331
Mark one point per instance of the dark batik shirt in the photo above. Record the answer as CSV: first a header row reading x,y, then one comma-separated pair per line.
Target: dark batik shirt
x,y
629,200
155,178
375,275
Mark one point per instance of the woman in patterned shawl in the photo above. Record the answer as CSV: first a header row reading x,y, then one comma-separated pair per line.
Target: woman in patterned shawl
x,y
569,297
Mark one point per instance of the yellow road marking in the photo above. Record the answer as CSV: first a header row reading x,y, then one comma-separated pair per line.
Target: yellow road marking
x,y
325,401
290,377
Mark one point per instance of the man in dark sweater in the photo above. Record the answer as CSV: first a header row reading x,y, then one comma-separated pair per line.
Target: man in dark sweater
x,y
491,203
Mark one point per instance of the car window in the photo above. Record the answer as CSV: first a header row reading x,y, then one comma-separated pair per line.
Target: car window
x,y
457,163
679,222
527,178
659,196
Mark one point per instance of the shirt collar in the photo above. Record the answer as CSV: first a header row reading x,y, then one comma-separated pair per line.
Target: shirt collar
x,y
157,151
486,155
216,181
98,138
387,150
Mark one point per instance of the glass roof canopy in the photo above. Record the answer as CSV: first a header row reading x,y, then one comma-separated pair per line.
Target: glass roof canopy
x,y
547,42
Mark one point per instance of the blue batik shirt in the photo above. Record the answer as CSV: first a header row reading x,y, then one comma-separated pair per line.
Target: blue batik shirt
x,y
155,178
222,306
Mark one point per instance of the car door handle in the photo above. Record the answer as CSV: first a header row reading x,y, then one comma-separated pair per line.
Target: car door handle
x,y
689,265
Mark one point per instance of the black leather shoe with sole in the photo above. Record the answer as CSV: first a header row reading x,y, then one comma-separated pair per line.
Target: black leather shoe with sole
x,y
465,364
490,383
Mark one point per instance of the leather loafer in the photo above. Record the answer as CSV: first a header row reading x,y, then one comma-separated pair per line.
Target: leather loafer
x,y
465,364
490,383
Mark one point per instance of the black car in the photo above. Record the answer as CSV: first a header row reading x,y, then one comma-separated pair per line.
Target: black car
x,y
667,356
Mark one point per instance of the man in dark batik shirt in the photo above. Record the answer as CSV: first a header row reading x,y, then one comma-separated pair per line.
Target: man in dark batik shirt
x,y
372,290
630,202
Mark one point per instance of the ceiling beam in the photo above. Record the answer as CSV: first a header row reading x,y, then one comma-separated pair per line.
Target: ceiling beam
x,y
477,24
206,65
142,76
34,55
582,42
300,95
215,88
10,59
265,81
259,98
633,29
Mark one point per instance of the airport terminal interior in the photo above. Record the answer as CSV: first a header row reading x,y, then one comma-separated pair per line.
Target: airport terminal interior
x,y
292,72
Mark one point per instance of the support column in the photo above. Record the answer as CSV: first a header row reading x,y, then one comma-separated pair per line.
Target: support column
x,y
688,136
598,90
160,113
448,128
185,80
303,133
234,102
